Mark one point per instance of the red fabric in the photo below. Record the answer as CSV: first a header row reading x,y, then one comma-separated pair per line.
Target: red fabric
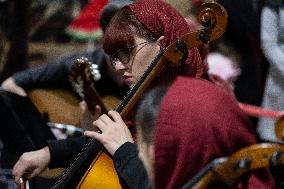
x,y
197,3
163,20
88,20
199,121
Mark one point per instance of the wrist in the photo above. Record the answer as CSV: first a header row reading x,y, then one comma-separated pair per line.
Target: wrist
x,y
46,154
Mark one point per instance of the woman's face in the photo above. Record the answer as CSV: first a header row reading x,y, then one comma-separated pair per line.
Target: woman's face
x,y
138,59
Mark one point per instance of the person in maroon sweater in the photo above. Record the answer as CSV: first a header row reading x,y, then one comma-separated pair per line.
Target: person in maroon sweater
x,y
195,122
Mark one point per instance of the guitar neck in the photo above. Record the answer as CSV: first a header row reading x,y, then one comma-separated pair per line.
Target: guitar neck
x,y
93,98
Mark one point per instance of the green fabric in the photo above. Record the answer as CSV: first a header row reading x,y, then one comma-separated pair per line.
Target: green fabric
x,y
84,36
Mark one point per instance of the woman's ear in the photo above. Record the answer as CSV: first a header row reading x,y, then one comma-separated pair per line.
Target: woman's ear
x,y
160,39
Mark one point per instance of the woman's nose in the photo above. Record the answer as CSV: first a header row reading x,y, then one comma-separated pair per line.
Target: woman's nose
x,y
120,66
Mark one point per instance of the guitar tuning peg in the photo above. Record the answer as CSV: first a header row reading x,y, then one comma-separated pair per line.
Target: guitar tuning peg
x,y
84,59
94,72
97,76
94,66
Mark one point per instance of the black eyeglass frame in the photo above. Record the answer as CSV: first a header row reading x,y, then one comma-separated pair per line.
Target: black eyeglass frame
x,y
123,55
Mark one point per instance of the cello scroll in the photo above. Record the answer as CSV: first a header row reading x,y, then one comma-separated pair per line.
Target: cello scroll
x,y
213,18
247,159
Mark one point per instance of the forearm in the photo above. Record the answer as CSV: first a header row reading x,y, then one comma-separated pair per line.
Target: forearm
x,y
62,152
129,167
52,75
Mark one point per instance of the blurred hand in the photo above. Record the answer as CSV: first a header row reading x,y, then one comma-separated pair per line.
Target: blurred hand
x,y
114,132
87,118
31,164
10,85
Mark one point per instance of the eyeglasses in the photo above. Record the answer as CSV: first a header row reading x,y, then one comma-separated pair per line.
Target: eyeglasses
x,y
123,55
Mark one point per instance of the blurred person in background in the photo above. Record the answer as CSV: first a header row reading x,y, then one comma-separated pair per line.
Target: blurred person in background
x,y
184,127
272,40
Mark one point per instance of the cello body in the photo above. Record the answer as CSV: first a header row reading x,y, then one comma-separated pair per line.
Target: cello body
x,y
101,174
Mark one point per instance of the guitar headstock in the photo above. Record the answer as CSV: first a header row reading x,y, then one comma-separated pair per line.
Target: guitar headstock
x,y
83,75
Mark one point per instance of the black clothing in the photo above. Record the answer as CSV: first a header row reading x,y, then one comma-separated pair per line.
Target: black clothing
x,y
22,128
129,167
62,152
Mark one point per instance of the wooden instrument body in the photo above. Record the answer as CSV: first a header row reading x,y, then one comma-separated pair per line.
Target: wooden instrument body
x,y
250,158
61,106
101,174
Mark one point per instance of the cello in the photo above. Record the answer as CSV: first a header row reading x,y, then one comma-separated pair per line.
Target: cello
x,y
93,157
228,169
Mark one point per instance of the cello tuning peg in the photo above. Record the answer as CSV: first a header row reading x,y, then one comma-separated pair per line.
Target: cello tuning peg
x,y
244,163
275,158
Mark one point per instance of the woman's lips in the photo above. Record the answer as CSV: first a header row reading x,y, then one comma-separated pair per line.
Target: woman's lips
x,y
127,79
